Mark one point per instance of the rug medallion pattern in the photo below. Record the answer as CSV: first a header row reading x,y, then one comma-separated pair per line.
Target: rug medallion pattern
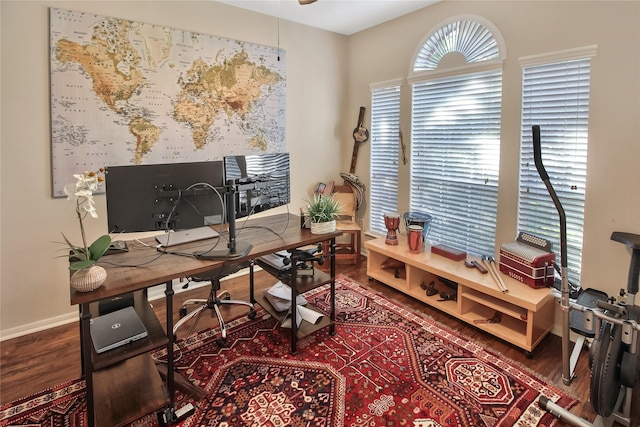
x,y
385,366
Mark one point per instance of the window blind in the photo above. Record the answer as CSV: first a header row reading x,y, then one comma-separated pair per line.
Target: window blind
x,y
469,38
455,150
555,97
385,130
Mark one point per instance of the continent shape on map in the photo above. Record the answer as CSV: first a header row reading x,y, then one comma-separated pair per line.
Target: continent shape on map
x,y
110,61
208,90
113,65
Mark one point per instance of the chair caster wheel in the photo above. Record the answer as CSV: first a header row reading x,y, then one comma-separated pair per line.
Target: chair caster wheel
x,y
182,311
227,297
252,314
221,342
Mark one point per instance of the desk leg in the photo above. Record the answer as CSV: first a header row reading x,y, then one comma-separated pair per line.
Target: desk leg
x,y
85,355
294,307
252,298
332,326
170,379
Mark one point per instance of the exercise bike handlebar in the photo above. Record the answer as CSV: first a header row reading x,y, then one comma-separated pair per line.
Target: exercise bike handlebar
x,y
567,373
537,157
537,153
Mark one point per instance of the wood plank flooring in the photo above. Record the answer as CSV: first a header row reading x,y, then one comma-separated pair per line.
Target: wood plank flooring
x,y
34,362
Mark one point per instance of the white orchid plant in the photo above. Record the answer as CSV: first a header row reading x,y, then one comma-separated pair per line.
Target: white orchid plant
x,y
81,192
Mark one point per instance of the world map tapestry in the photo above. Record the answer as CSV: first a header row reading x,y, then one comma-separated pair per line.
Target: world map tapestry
x,y
130,93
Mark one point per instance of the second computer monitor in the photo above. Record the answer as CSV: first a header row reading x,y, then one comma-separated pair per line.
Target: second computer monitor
x,y
262,181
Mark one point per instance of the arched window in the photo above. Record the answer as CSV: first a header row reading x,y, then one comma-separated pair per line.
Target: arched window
x,y
470,39
456,79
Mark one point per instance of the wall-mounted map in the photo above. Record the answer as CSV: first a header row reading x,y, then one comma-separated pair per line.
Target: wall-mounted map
x,y
125,92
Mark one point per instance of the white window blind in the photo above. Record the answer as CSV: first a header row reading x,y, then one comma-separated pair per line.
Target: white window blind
x,y
469,38
385,130
455,150
555,97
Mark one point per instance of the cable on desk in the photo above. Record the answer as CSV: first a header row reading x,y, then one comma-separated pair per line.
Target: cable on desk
x,y
102,262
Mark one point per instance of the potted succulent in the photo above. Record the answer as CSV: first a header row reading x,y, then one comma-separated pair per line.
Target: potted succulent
x,y
322,212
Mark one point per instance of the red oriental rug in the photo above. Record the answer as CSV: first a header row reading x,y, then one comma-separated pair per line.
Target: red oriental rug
x,y
385,366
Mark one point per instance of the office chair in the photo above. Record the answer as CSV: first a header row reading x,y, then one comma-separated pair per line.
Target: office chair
x,y
346,222
216,298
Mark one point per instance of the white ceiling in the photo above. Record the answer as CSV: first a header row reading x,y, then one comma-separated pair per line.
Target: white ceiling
x,y
340,16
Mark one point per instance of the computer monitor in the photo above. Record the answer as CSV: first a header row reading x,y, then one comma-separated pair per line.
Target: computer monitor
x,y
172,196
189,195
262,181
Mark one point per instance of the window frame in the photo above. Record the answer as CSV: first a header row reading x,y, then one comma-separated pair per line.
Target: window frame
x,y
558,119
484,65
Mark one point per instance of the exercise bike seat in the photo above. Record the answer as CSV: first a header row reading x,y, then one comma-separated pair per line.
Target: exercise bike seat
x,y
630,239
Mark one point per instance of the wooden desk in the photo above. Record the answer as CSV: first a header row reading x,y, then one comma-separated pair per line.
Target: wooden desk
x,y
125,381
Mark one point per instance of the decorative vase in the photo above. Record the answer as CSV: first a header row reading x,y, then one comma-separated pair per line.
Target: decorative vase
x,y
323,227
88,279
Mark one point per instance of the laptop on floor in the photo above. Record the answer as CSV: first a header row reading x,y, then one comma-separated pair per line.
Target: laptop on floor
x,y
116,329
173,238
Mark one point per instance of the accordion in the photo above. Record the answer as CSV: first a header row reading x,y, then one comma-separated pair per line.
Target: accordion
x,y
529,260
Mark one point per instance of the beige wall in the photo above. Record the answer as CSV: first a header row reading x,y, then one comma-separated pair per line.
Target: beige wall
x,y
328,79
34,290
532,28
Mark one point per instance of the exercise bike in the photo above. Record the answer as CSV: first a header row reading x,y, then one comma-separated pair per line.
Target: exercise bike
x,y
613,354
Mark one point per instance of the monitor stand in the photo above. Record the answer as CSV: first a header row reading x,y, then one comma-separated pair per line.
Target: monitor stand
x,y
241,250
235,249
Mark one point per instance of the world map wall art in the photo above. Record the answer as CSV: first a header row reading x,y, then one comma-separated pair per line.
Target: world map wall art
x,y
130,93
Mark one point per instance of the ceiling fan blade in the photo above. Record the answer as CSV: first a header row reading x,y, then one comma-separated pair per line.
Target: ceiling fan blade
x,y
303,2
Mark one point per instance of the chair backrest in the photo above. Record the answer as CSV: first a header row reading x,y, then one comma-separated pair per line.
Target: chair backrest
x,y
347,203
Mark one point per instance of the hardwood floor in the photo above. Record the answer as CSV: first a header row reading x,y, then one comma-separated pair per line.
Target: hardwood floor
x,y
34,362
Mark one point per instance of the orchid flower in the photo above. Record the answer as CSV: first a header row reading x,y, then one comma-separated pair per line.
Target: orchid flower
x,y
82,193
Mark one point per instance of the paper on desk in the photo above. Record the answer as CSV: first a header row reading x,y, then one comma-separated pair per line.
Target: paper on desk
x,y
305,314
279,296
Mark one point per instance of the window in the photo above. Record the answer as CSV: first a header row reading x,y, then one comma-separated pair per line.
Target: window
x,y
468,38
455,136
555,97
455,158
385,133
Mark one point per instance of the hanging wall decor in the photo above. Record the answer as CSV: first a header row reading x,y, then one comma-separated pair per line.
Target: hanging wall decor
x,y
130,93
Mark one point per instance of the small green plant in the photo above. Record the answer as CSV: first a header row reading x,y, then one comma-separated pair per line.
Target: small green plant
x,y
322,208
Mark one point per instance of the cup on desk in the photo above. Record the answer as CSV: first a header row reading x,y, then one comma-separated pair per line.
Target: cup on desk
x,y
414,237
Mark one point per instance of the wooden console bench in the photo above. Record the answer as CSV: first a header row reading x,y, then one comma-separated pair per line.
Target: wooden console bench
x,y
526,314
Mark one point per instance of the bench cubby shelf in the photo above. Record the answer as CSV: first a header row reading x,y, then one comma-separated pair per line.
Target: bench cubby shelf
x,y
526,313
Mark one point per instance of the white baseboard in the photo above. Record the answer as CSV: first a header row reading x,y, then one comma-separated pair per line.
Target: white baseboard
x,y
155,292
41,325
